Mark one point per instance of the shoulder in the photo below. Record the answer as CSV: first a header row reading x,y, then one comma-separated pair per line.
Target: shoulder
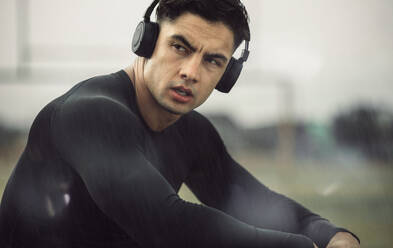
x,y
96,99
104,89
197,120
94,109
202,138
200,128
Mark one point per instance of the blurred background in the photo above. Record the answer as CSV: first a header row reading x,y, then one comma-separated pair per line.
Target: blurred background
x,y
311,115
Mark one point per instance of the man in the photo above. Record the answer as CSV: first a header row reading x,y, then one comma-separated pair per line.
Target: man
x,y
104,162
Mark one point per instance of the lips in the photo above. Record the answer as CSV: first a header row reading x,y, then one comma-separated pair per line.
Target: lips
x,y
181,94
182,91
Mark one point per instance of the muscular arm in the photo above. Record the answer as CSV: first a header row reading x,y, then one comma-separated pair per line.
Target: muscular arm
x,y
101,140
220,182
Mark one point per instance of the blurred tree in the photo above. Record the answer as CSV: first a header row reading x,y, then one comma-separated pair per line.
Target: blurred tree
x,y
368,129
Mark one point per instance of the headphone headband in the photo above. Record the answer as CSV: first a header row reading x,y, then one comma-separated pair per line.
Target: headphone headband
x,y
149,10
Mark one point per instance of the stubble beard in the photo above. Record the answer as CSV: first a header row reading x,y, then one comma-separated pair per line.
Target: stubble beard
x,y
160,101
170,109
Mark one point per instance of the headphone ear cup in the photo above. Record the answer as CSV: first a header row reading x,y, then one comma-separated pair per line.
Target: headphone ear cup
x,y
145,38
230,76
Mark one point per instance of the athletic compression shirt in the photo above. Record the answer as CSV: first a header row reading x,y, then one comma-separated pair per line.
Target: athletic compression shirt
x,y
94,175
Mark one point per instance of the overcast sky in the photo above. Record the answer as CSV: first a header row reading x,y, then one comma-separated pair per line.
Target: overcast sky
x,y
330,53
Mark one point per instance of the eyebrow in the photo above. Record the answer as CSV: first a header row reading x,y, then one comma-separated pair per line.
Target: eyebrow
x,y
182,39
216,56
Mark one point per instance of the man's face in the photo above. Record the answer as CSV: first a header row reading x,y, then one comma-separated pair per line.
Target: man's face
x,y
189,59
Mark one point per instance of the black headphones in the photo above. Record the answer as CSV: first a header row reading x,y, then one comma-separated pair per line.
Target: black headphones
x,y
145,38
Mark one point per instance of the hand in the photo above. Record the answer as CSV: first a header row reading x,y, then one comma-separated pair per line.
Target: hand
x,y
315,246
343,240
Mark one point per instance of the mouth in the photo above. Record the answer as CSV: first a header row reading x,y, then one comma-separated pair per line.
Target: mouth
x,y
181,94
182,91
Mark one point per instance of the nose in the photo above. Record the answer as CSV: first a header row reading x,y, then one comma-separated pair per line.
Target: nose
x,y
190,70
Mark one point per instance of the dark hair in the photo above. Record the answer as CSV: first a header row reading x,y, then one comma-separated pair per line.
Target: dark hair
x,y
230,12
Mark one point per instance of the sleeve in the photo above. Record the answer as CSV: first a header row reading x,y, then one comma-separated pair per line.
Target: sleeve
x,y
220,182
101,140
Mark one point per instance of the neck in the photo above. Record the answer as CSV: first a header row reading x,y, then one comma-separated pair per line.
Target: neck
x,y
155,116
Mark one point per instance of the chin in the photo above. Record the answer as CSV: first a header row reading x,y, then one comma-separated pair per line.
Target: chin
x,y
176,111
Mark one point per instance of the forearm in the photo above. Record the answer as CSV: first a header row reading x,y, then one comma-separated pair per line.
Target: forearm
x,y
203,226
278,212
251,202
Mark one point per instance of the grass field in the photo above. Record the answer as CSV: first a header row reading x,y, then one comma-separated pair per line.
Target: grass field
x,y
360,199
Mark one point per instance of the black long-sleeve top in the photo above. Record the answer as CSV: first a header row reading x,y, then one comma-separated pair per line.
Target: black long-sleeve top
x,y
94,175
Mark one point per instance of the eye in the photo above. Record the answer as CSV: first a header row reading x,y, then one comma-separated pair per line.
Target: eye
x,y
213,62
179,48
